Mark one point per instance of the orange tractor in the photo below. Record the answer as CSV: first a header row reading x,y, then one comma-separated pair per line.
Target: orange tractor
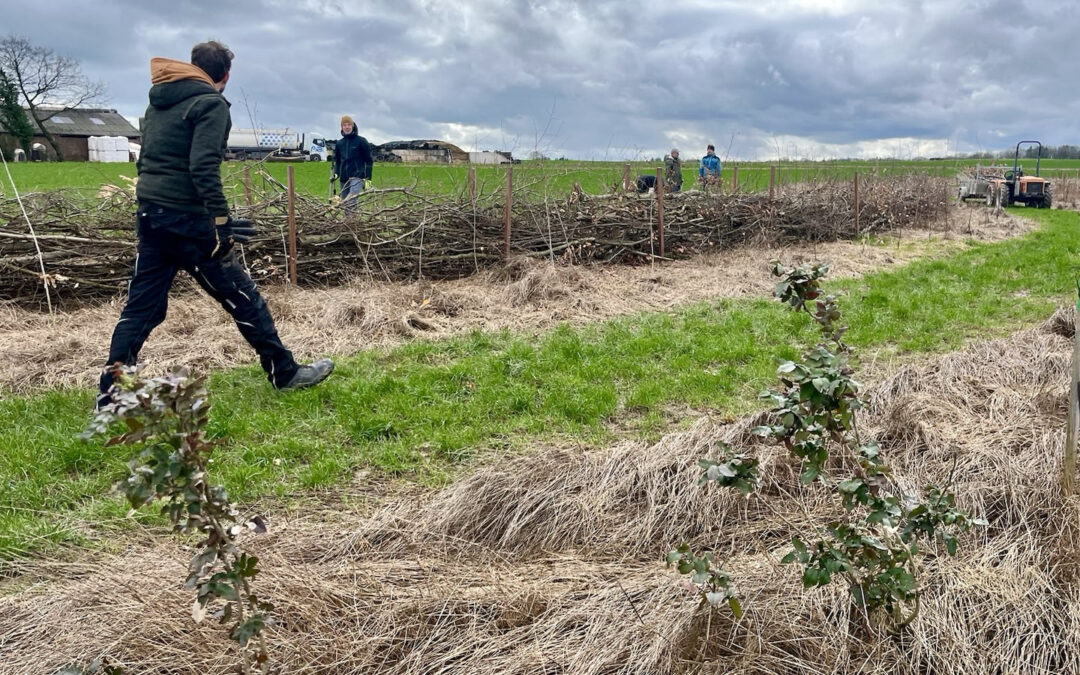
x,y
1017,188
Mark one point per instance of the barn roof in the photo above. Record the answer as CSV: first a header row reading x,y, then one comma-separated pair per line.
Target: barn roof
x,y
86,122
455,152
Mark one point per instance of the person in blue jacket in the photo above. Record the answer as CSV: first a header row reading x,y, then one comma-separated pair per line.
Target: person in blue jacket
x,y
709,169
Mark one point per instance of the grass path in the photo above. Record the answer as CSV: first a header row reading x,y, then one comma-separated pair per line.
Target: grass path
x,y
424,410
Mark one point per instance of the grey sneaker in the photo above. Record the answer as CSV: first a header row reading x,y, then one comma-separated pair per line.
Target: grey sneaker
x,y
309,376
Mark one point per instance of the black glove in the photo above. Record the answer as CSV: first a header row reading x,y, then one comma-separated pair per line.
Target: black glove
x,y
233,231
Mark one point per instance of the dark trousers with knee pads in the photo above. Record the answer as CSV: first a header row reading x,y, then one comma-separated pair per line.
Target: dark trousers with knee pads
x,y
170,241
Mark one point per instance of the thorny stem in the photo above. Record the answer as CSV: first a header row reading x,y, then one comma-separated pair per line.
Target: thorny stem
x,y
243,588
240,613
855,429
914,614
825,327
242,593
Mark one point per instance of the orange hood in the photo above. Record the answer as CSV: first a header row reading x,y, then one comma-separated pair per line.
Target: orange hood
x,y
170,70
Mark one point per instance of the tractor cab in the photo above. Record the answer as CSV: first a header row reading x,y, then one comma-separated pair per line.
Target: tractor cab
x,y
1017,188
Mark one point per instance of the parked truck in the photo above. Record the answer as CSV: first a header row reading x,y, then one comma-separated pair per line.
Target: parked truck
x,y
279,143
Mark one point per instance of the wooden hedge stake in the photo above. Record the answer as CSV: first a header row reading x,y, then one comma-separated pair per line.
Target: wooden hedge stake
x,y
772,182
626,177
1068,466
247,187
856,203
472,187
506,212
660,207
292,227
735,178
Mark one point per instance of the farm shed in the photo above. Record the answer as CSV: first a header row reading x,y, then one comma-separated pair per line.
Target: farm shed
x,y
434,152
491,157
72,129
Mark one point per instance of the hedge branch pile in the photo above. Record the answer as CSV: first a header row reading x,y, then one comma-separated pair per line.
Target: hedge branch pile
x,y
400,234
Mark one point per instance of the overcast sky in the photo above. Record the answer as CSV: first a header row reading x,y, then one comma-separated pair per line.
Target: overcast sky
x,y
610,80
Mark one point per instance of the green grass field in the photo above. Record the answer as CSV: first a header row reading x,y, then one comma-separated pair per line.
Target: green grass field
x,y
424,410
551,178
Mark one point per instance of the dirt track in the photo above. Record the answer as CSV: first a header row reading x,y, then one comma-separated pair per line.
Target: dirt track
x,y
43,352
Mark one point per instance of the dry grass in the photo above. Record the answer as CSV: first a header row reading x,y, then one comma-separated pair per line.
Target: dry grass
x,y
526,296
549,563
1066,191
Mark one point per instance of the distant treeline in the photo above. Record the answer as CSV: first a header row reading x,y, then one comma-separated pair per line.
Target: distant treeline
x,y
1030,151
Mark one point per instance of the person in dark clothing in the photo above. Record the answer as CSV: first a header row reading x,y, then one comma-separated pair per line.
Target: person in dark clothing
x,y
353,161
183,220
645,183
673,172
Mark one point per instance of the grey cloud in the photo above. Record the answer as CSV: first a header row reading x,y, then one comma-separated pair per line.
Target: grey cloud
x,y
607,79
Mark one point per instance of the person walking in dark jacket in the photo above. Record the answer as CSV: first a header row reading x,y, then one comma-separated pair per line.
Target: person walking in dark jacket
x,y
353,161
183,220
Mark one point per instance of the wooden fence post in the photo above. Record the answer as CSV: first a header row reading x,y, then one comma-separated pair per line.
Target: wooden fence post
x,y
660,207
735,178
626,177
1068,464
247,186
506,211
856,203
291,263
948,208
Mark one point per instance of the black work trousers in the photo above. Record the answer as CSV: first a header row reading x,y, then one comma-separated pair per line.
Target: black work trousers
x,y
170,241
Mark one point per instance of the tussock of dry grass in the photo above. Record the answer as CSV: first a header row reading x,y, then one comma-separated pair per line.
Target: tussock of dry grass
x,y
984,408
540,282
550,563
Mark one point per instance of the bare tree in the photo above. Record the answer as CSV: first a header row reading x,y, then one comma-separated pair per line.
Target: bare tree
x,y
48,83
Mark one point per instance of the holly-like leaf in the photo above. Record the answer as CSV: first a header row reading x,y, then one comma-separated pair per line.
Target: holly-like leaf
x,y
850,485
724,470
249,629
